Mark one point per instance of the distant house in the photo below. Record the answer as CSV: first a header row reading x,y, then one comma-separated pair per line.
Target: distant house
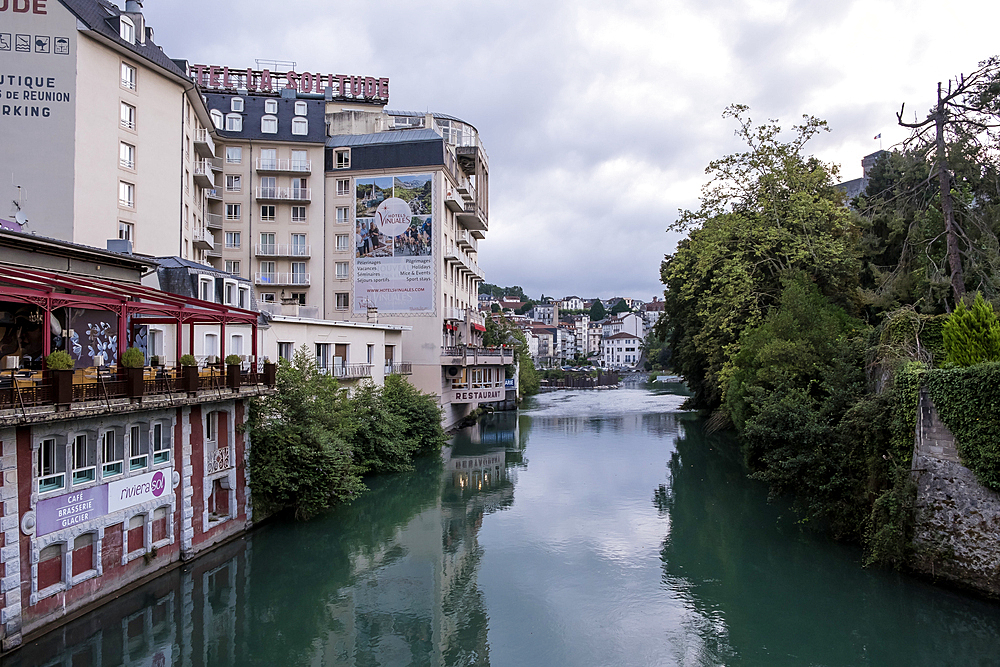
x,y
572,303
652,312
621,350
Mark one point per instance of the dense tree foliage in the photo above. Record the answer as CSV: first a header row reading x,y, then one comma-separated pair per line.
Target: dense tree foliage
x,y
597,311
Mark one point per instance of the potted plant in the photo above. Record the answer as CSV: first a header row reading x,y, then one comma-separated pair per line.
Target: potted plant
x,y
133,361
189,373
233,362
60,366
270,372
154,360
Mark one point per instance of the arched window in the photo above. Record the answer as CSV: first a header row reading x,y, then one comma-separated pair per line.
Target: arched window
x,y
269,124
300,108
234,122
236,104
217,118
126,29
270,106
300,126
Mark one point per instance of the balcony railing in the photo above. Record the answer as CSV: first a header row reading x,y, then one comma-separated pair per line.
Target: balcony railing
x,y
214,194
347,371
454,314
219,460
284,194
204,241
282,250
477,355
203,175
404,368
266,278
203,143
294,166
213,220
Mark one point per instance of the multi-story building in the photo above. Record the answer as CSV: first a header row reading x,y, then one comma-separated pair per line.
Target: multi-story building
x,y
621,350
595,331
652,312
571,303
627,322
546,312
104,135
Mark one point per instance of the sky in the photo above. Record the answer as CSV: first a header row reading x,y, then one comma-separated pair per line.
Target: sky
x,y
598,117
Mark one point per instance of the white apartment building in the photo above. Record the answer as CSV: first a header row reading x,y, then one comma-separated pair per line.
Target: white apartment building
x,y
621,350
571,303
105,136
628,323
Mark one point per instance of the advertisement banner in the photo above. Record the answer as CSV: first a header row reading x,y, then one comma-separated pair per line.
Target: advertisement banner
x,y
394,244
135,490
63,511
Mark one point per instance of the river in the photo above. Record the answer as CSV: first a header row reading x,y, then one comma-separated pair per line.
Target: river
x,y
591,528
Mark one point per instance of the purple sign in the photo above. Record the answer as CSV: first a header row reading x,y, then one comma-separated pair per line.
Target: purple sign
x,y
53,514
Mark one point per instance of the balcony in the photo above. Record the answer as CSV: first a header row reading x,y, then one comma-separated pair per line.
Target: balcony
x,y
215,163
281,279
213,194
476,356
204,177
204,145
203,241
476,318
404,368
218,461
347,371
213,220
281,250
466,240
284,194
453,200
454,314
283,166
473,218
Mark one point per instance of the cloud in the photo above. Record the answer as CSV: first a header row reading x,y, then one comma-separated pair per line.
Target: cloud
x,y
599,118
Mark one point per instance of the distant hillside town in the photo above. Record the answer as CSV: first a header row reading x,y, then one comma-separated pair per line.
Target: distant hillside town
x,y
602,333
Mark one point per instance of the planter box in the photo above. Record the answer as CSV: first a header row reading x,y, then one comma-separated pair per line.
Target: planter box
x,y
62,386
135,382
189,379
270,374
233,376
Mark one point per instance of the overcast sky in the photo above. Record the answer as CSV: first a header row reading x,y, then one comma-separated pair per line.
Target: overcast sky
x,y
600,117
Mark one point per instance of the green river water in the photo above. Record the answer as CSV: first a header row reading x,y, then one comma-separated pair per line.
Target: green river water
x,y
591,528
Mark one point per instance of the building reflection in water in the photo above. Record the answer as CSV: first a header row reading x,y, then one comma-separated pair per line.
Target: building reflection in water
x,y
389,580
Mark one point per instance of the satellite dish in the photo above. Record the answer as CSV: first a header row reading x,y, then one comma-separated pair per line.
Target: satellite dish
x,y
21,218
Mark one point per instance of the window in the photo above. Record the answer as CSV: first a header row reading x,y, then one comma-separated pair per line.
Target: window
x,y
50,569
126,194
269,124
342,159
342,215
323,355
128,116
343,242
269,158
158,529
343,300
300,108
244,297
126,155
299,275
299,248
371,353
298,214
126,29
135,539
138,447
342,270
233,240
299,298
233,266
234,154
212,427
51,465
128,76
236,104
267,246
232,211
229,292
267,212
83,553
217,120
300,126
267,272
266,297
233,183
206,287
236,344
268,184
285,351
126,231
300,161
113,452
343,187
270,106
234,122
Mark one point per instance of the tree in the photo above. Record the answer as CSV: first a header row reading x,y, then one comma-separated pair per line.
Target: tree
x,y
620,307
964,117
494,307
597,312
766,214
972,335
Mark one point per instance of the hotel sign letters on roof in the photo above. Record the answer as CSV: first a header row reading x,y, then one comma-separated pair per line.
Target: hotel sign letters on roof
x,y
344,86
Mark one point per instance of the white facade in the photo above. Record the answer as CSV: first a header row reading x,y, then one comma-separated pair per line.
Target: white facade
x,y
621,351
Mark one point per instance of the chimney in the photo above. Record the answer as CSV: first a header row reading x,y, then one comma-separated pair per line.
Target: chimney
x,y
133,6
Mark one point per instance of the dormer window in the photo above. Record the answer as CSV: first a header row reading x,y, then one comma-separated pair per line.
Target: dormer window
x,y
300,126
300,108
234,122
270,106
126,29
236,104
269,124
217,118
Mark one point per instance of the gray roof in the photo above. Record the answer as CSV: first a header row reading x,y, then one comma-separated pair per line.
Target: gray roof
x,y
102,17
387,137
421,114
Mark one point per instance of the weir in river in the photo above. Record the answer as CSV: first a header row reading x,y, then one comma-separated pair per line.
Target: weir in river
x,y
591,528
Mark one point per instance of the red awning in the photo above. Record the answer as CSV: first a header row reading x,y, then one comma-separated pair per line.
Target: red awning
x,y
479,327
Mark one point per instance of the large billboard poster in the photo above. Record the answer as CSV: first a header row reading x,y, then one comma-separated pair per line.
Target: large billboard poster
x,y
394,244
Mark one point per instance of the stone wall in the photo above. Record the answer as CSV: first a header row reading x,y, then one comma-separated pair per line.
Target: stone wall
x,y
957,520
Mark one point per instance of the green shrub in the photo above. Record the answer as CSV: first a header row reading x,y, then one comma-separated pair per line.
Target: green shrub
x,y
133,357
420,411
233,360
154,360
972,335
59,360
188,360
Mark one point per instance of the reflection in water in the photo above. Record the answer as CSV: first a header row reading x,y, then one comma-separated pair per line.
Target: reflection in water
x,y
633,539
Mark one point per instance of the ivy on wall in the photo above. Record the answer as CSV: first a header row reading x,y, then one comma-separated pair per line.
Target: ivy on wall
x,y
968,402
